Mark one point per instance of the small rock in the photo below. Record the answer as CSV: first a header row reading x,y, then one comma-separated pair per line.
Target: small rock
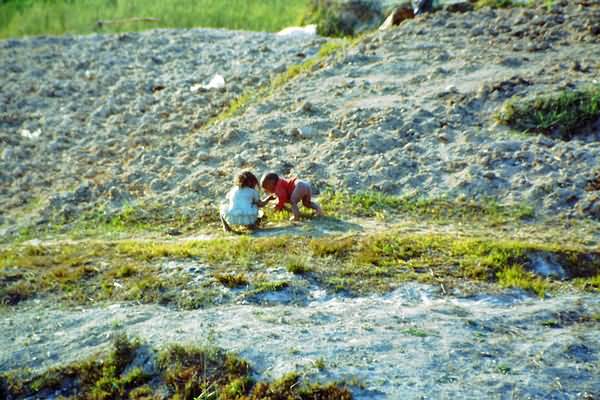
x,y
490,175
400,14
157,185
308,107
335,133
280,68
7,154
459,7
547,265
114,193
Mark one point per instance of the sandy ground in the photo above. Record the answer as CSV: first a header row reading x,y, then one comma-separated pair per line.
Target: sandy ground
x,y
409,343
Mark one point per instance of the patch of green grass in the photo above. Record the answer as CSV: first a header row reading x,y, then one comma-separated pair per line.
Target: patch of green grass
x,y
360,263
515,276
551,323
564,113
142,218
21,18
589,283
413,331
183,372
503,369
297,265
370,204
497,4
270,286
319,363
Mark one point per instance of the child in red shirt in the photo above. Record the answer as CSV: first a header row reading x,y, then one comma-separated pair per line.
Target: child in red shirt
x,y
292,190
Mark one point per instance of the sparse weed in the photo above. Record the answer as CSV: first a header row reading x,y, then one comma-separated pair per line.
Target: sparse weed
x,y
297,265
270,286
232,280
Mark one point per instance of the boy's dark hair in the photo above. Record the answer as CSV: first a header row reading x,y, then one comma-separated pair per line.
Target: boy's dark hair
x,y
269,177
246,179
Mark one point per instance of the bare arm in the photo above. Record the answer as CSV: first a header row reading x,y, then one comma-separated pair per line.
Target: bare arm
x,y
265,201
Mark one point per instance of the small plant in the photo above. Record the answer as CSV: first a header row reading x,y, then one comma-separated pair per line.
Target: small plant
x,y
551,323
413,331
319,363
232,280
516,276
270,286
296,265
496,4
503,369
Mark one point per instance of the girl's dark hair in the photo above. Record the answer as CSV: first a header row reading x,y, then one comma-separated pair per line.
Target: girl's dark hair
x,y
247,179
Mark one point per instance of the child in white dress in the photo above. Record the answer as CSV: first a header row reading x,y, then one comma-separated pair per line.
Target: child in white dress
x,y
243,202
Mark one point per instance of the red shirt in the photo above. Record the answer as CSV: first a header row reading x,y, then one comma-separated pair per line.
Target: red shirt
x,y
283,191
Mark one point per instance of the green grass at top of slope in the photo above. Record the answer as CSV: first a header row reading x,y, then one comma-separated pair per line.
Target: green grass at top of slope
x,y
41,17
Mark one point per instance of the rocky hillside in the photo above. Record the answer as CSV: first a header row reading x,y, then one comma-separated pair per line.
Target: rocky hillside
x,y
95,123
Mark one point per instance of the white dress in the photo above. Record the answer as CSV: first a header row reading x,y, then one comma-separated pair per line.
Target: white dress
x,y
240,208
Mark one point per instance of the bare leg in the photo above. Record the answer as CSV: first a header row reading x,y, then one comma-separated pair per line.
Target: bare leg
x,y
314,206
226,226
303,192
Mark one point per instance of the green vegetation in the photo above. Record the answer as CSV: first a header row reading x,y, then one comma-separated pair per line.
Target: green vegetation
x,y
511,3
155,219
412,331
377,204
497,3
183,372
326,14
143,218
57,17
99,379
232,280
515,276
564,113
270,286
131,270
297,265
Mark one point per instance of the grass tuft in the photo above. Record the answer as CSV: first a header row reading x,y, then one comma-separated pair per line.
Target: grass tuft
x,y
297,265
232,280
516,276
565,114
184,372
